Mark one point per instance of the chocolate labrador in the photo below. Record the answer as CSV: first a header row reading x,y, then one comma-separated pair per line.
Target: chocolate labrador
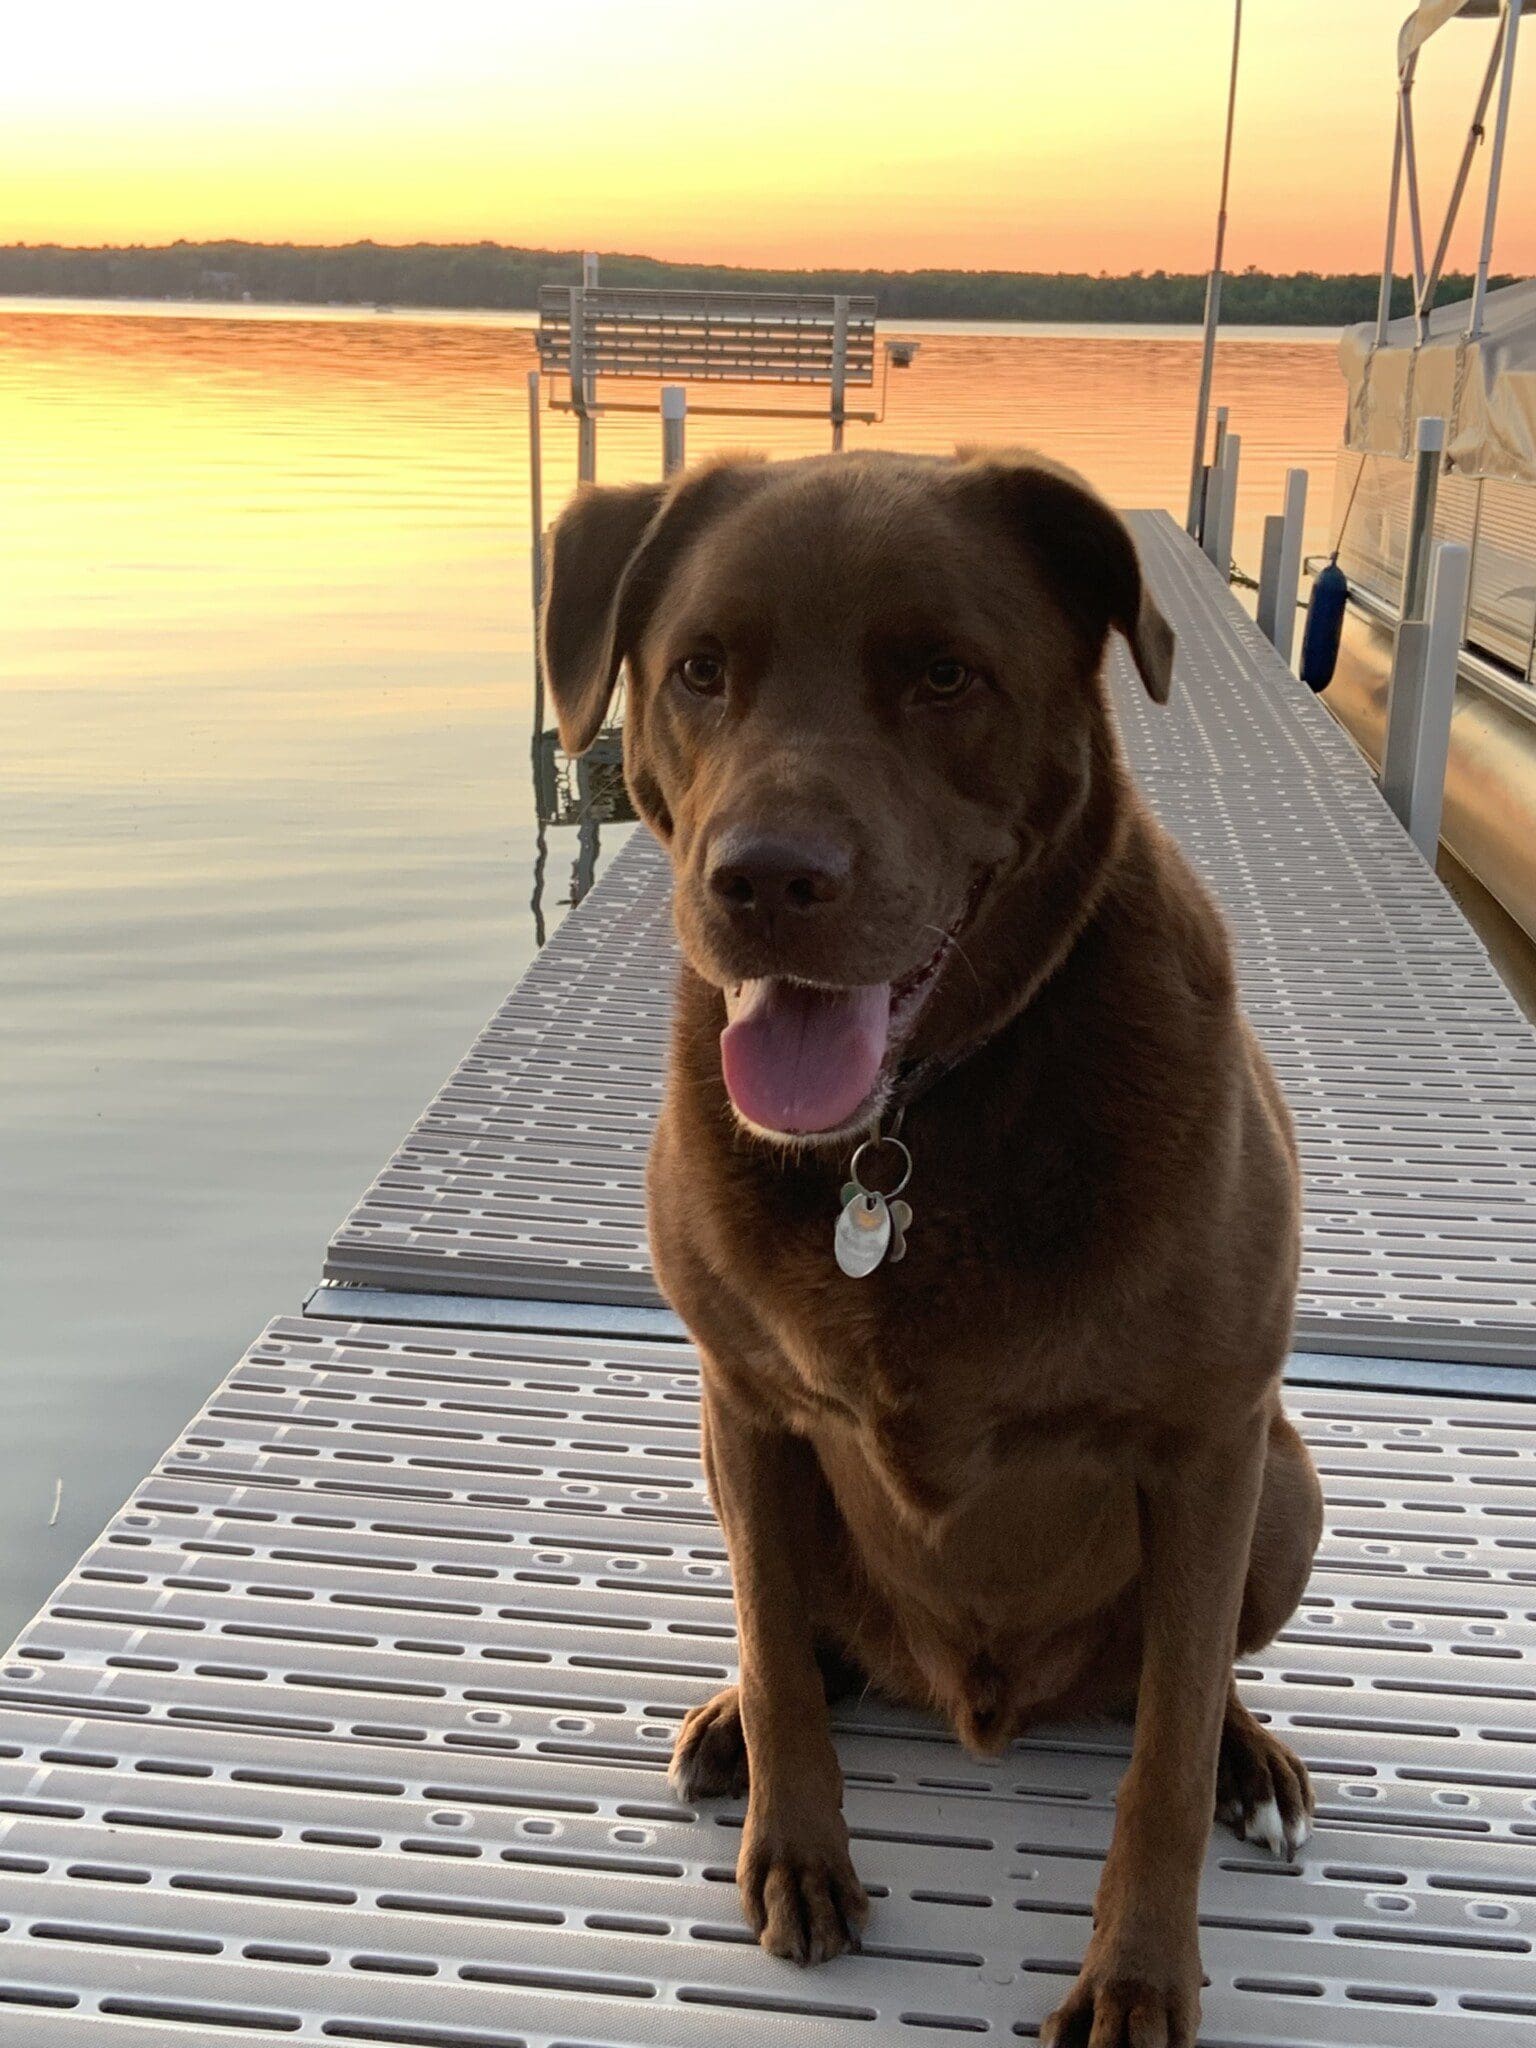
x,y
971,1182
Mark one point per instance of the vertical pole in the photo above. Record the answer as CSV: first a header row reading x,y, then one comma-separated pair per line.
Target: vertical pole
x,y
581,390
1429,445
1415,217
839,366
1406,682
1230,454
536,548
1511,28
1221,500
1209,507
1463,169
1215,484
674,413
583,380
1419,728
1269,576
1288,576
1384,296
1213,291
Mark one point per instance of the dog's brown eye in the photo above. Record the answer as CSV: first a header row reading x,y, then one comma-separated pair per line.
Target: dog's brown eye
x,y
704,674
947,679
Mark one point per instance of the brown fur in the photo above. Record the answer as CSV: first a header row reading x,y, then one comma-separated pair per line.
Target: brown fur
x,y
1039,1467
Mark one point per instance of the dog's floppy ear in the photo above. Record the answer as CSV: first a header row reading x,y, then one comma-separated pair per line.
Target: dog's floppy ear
x,y
592,544
1084,548
609,554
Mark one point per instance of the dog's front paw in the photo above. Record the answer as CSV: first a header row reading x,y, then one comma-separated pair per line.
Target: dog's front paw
x,y
1129,1998
799,1890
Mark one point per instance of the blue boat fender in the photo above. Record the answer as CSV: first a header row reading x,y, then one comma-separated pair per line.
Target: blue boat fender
x,y
1324,628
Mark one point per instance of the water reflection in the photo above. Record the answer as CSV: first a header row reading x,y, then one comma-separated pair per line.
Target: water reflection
x,y
583,794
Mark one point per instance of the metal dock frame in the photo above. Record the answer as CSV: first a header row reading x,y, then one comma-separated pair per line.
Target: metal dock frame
x,y
353,1725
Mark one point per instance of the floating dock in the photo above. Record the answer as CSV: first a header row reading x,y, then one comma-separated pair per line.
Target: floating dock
x,y
353,1725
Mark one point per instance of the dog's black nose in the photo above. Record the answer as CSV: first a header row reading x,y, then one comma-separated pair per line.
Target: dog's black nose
x,y
760,873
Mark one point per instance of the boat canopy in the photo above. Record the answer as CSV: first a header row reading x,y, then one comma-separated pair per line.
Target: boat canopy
x,y
1485,390
1431,15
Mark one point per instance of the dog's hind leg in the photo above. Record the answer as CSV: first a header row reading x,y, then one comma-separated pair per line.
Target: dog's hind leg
x,y
1262,1790
1286,1531
1263,1793
709,1758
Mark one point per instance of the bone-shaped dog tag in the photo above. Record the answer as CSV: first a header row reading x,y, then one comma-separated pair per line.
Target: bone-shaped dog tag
x,y
863,1233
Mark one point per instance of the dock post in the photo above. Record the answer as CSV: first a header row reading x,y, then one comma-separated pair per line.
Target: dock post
x,y
1429,446
1423,700
536,548
674,414
1210,507
1407,679
1280,572
1269,575
1221,505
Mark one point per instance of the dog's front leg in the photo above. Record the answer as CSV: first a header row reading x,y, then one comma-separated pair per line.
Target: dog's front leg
x,y
798,1886
1140,1982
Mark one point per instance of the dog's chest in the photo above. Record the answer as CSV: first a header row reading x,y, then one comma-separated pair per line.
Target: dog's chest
x,y
924,1427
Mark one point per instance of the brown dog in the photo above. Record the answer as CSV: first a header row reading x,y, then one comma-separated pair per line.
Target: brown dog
x,y
1036,1467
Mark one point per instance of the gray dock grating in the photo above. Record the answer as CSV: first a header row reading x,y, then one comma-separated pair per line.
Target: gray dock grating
x,y
352,1728
1410,1071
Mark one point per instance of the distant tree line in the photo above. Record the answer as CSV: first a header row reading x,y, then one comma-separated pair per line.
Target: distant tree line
x,y
486,275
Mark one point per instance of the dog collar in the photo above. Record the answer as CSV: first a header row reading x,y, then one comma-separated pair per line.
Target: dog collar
x,y
872,1225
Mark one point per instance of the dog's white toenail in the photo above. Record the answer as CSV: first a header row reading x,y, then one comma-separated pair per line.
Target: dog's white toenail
x,y
1264,1825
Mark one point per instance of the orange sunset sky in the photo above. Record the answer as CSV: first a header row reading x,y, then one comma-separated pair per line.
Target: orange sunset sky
x,y
975,133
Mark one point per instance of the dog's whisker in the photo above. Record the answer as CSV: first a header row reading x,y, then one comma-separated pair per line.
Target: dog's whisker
x,y
949,939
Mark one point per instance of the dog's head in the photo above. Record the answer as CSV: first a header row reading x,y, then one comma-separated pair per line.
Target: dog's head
x,y
864,711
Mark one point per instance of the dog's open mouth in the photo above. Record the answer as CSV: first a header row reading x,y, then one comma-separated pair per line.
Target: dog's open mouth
x,y
803,1059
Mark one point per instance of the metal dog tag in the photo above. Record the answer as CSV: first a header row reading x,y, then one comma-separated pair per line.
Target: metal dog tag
x,y
863,1233
872,1226
901,1222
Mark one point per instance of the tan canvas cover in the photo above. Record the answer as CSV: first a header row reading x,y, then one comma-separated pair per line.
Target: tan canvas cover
x,y
1430,15
1484,390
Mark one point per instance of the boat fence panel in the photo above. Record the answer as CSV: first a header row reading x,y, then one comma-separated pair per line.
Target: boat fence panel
x,y
1410,1071
1502,614
353,1727
1494,518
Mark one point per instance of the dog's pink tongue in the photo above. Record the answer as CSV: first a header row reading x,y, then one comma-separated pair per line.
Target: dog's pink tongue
x,y
803,1059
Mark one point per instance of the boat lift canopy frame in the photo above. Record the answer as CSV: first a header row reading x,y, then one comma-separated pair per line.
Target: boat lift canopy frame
x,y
1425,21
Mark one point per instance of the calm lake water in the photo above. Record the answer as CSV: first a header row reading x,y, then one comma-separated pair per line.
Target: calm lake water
x,y
266,827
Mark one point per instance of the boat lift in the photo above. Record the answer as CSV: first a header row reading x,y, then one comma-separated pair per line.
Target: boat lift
x,y
592,334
